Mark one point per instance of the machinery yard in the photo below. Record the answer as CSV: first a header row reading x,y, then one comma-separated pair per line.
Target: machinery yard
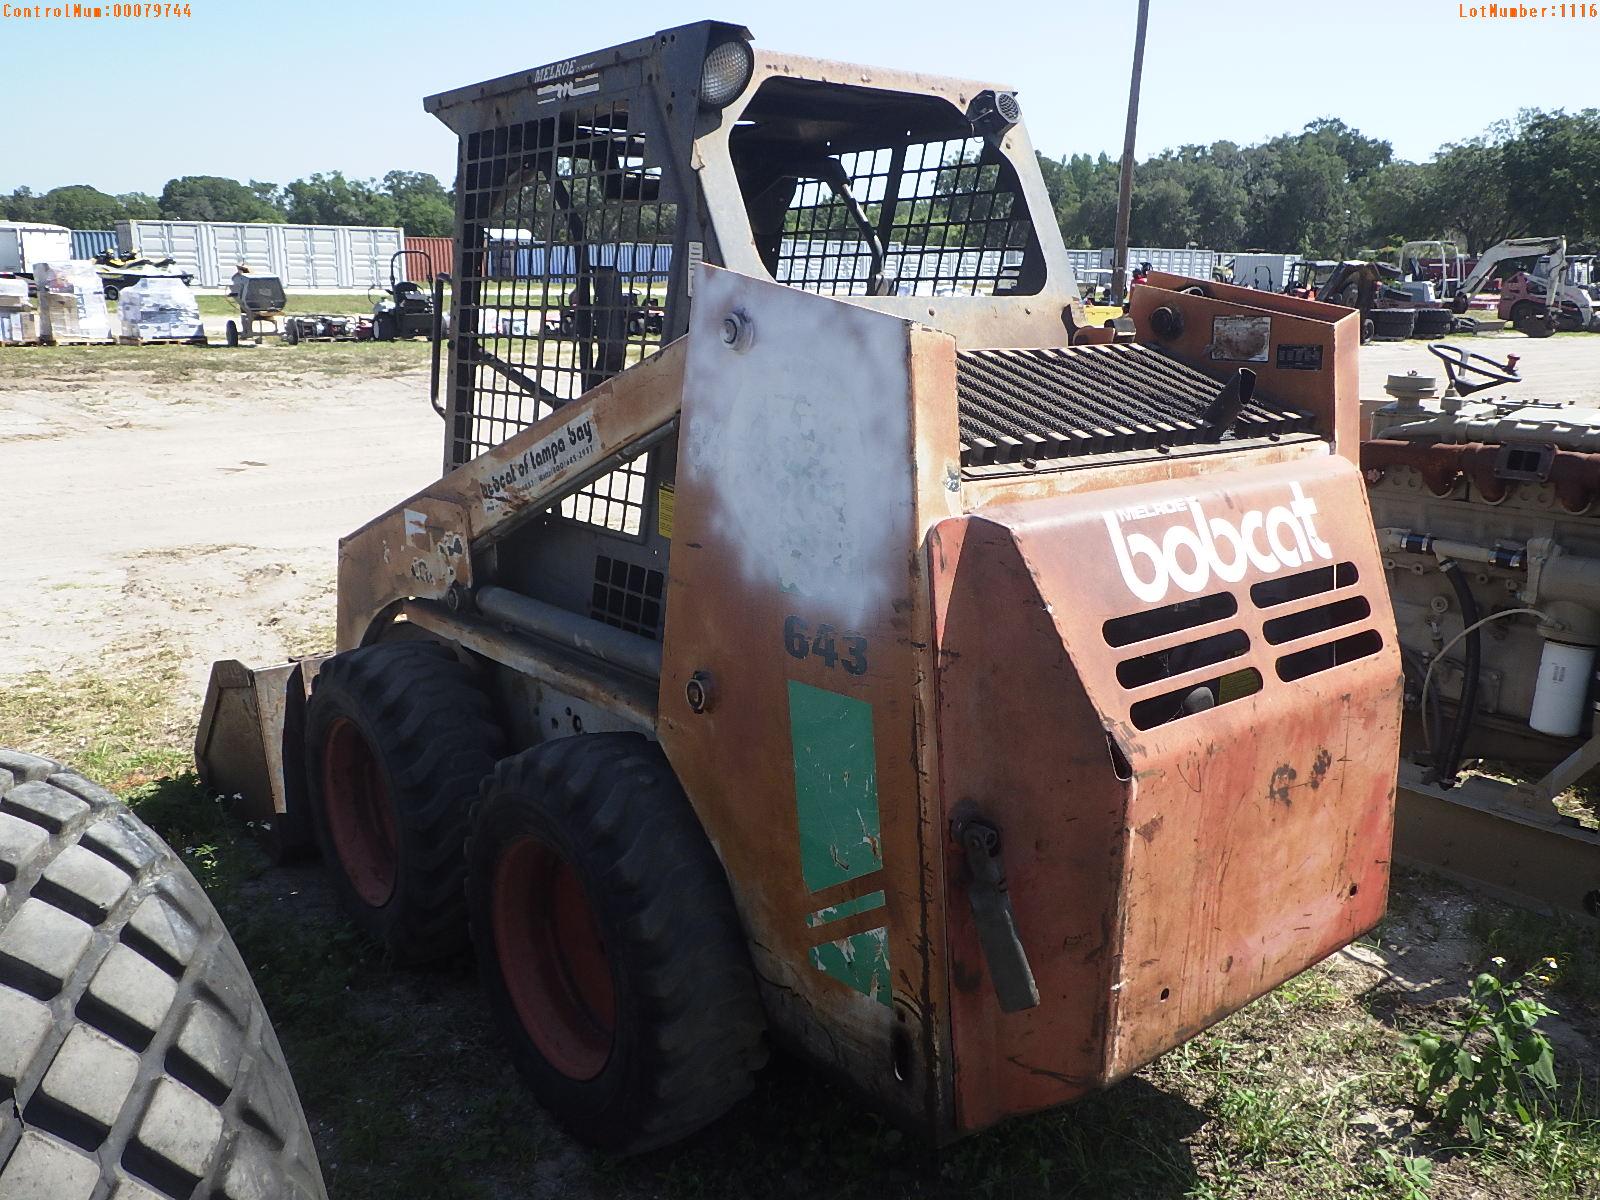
x,y
108,637
762,665
257,486
107,644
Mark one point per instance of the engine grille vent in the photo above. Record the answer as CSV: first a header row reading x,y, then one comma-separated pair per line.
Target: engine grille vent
x,y
1145,675
1304,619
1064,402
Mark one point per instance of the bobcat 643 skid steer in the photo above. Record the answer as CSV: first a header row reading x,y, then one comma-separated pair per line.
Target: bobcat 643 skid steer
x,y
872,657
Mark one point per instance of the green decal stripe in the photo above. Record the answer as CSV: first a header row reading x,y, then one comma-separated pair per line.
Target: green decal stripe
x,y
845,908
860,961
835,786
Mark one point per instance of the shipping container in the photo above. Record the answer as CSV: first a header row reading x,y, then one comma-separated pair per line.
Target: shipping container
x,y
1195,263
87,243
1264,272
305,257
23,243
440,255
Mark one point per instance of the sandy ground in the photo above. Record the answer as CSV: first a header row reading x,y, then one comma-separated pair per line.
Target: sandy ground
x,y
1564,368
201,518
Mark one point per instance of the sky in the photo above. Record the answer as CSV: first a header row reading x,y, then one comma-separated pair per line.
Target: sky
x,y
276,91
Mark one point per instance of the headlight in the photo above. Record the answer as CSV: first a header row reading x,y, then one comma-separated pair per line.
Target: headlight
x,y
727,69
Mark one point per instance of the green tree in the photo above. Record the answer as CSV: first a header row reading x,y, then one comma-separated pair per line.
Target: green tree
x,y
1467,193
328,198
79,206
425,208
1551,164
20,205
212,198
139,206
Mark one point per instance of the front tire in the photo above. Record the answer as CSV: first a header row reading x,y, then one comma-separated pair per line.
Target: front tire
x,y
608,943
398,738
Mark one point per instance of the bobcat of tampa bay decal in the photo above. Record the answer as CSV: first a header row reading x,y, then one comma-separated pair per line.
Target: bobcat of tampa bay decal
x,y
1190,551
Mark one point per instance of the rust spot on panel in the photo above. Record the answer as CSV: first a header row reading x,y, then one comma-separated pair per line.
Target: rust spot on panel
x,y
1319,767
1283,777
1150,828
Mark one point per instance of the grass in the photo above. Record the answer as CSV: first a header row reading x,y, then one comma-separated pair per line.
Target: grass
x,y
1306,1094
213,305
177,364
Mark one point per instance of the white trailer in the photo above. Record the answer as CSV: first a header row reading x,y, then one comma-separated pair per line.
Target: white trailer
x,y
23,243
305,257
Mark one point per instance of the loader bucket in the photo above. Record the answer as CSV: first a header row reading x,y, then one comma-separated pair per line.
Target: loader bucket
x,y
248,746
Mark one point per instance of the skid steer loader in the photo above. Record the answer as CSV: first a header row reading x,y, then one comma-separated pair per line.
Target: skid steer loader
x,y
873,657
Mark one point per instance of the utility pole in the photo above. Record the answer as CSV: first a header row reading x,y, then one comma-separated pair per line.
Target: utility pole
x,y
1119,264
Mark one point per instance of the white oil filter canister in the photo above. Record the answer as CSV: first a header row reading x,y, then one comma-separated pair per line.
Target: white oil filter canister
x,y
1563,688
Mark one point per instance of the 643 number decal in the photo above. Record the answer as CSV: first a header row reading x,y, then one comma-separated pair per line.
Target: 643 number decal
x,y
835,649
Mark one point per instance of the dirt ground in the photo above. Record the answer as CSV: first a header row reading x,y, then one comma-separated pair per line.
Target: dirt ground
x,y
197,507
188,503
193,502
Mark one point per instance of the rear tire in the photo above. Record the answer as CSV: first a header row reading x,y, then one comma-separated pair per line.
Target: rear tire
x,y
608,943
398,738
1527,319
135,1055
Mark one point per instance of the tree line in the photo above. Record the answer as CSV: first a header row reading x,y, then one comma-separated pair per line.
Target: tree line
x,y
1331,191
413,199
1327,191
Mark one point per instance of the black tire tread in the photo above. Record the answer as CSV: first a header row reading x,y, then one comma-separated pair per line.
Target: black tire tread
x,y
135,1052
701,1022
434,729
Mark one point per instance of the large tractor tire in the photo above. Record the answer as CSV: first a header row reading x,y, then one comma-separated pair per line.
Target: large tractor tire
x,y
136,1059
1433,323
1393,324
1531,320
398,739
614,961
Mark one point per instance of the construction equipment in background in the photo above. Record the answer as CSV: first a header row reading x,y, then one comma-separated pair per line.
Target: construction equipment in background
x,y
874,655
1436,263
1485,509
1390,308
407,309
1528,312
1527,294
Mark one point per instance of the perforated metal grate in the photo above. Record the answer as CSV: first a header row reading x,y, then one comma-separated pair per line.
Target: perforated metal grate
x,y
565,251
1043,404
627,595
940,221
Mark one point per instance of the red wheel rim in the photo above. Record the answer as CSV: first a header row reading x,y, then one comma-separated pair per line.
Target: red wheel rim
x,y
552,958
360,813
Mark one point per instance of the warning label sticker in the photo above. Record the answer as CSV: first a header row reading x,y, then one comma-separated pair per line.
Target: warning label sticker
x,y
666,508
542,463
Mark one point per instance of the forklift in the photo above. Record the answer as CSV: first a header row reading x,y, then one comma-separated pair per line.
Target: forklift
x,y
871,657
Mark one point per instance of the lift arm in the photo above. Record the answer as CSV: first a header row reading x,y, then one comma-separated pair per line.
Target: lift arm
x,y
424,547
